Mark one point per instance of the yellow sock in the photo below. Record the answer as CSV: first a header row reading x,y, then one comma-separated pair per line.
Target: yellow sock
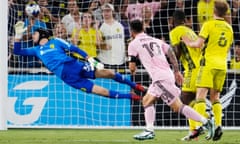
x,y
200,107
217,111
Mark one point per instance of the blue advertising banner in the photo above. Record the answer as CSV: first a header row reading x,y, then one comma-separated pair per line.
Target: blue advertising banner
x,y
44,100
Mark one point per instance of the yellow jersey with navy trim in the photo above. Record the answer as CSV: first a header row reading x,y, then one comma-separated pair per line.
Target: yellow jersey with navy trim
x,y
218,35
189,56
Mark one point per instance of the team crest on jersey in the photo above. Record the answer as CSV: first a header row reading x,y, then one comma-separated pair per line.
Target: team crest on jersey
x,y
118,30
52,46
83,89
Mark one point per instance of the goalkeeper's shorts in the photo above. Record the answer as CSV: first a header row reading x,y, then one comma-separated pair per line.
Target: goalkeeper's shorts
x,y
76,74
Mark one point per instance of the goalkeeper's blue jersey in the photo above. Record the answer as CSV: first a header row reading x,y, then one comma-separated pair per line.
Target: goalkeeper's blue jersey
x,y
52,54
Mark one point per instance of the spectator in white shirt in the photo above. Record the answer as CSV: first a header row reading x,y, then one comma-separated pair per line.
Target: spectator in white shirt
x,y
113,34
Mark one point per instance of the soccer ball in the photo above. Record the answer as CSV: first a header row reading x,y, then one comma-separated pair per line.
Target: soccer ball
x,y
32,9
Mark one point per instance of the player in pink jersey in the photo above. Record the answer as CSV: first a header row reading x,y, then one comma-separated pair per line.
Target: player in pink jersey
x,y
151,52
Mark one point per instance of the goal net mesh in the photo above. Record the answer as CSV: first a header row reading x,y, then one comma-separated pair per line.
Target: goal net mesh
x,y
37,98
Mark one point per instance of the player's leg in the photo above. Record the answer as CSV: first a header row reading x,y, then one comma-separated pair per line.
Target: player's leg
x,y
188,98
78,79
216,104
113,94
170,95
190,113
205,81
149,114
217,112
105,73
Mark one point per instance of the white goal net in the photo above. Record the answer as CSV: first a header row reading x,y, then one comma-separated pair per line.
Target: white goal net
x,y
37,98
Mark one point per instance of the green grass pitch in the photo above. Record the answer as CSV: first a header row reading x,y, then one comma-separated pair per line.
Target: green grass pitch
x,y
103,136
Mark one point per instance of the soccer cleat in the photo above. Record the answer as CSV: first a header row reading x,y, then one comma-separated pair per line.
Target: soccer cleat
x,y
145,135
210,127
187,137
135,97
141,88
194,134
218,133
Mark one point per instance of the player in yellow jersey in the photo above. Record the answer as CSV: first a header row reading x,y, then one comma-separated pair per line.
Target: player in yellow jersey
x,y
218,35
189,57
205,11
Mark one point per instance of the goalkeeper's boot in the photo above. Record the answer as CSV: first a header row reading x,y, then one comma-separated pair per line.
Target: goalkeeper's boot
x,y
218,133
145,135
194,134
210,127
135,96
140,87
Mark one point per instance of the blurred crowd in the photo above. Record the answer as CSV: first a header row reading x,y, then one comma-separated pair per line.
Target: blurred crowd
x,y
101,27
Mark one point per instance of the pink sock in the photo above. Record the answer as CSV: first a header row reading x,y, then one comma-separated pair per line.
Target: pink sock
x,y
188,112
150,117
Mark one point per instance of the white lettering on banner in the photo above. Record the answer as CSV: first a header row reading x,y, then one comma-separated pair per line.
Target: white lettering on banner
x,y
31,85
37,104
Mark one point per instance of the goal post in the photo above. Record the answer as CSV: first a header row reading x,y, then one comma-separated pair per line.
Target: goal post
x,y
3,63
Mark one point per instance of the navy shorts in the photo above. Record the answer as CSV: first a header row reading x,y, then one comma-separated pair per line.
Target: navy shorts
x,y
77,74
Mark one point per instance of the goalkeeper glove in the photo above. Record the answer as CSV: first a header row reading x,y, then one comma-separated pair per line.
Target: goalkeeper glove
x,y
19,29
95,63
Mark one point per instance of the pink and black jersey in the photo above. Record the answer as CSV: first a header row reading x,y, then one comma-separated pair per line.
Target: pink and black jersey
x,y
151,52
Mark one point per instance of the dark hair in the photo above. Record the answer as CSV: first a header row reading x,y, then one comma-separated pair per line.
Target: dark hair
x,y
43,33
136,26
141,1
178,17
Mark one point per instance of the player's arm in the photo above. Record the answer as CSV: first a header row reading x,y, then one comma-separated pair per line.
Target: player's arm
x,y
177,51
71,47
198,43
18,50
172,58
91,60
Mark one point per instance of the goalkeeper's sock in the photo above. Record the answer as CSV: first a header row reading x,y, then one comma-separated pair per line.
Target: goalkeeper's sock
x,y
120,78
217,112
149,115
114,94
117,95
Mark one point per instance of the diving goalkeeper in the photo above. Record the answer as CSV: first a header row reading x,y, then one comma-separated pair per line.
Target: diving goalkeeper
x,y
73,72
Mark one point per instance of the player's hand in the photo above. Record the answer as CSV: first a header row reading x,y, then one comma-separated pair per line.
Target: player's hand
x,y
95,63
186,40
19,29
178,77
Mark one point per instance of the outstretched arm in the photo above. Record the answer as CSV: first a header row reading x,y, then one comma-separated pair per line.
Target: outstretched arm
x,y
174,62
18,50
71,47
